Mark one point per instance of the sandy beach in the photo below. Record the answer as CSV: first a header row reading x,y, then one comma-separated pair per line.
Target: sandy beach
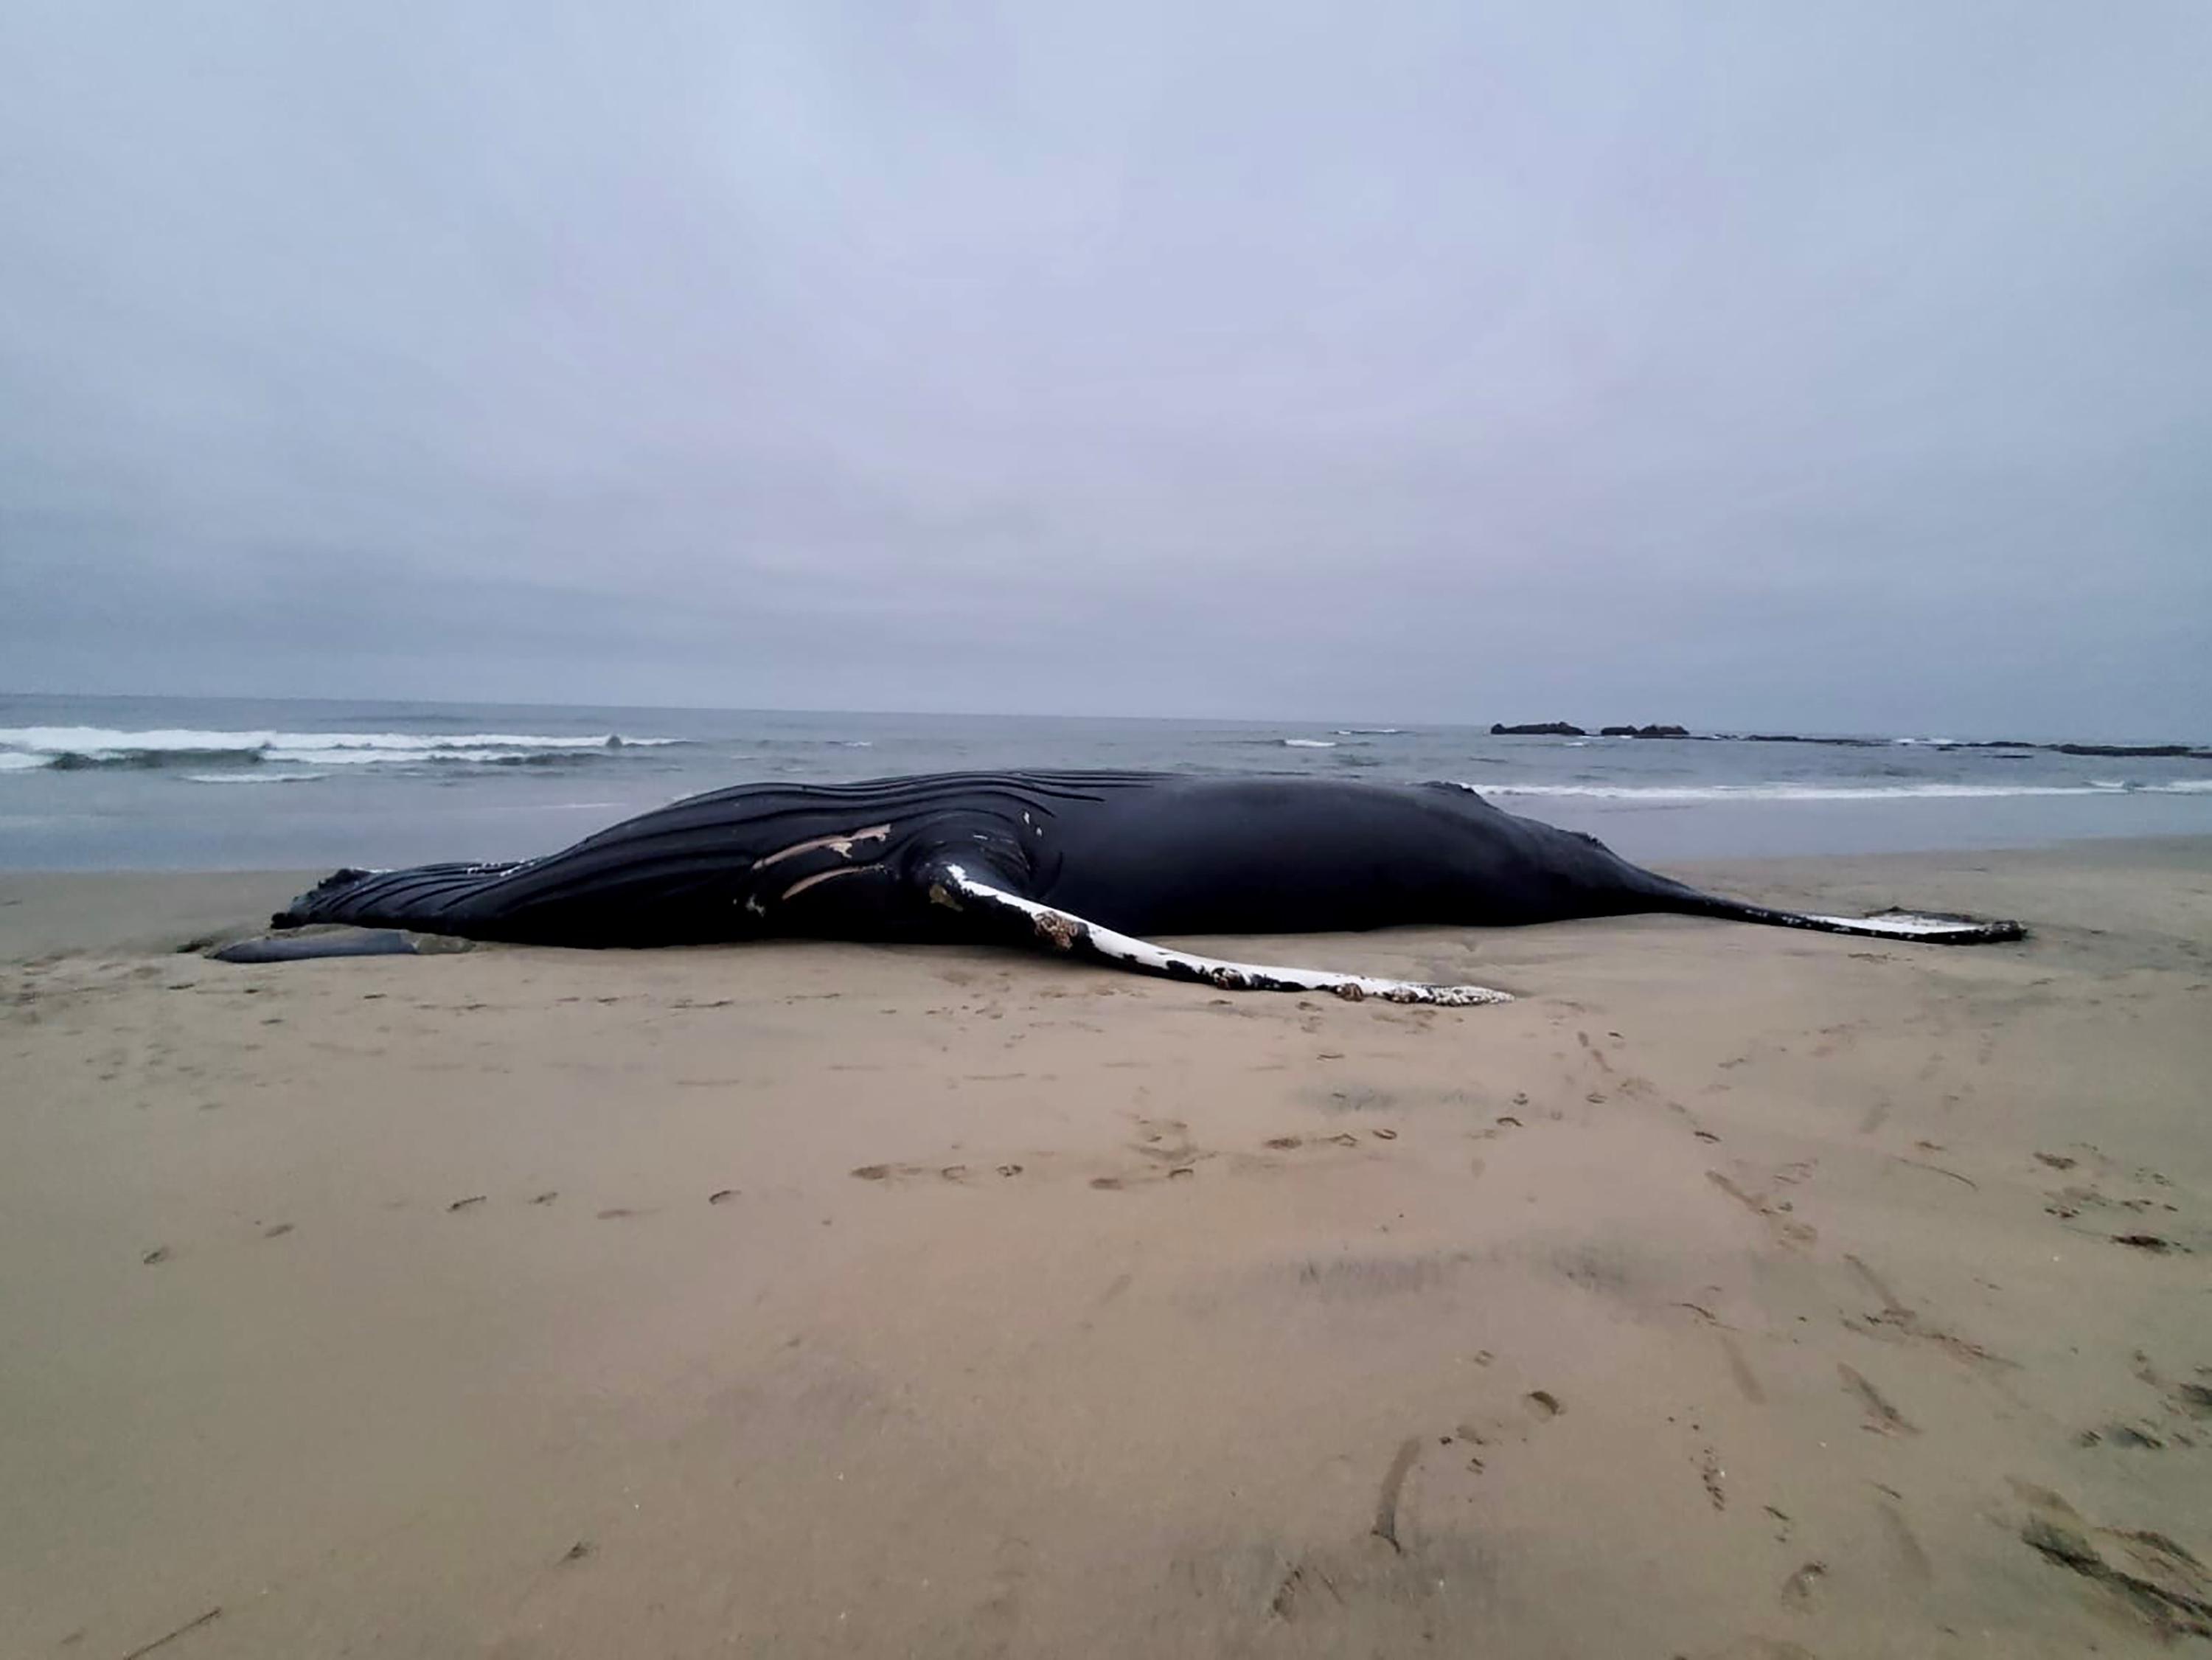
x,y
1736,1292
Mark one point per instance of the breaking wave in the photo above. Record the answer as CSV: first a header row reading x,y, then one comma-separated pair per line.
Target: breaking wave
x,y
1665,794
78,748
259,775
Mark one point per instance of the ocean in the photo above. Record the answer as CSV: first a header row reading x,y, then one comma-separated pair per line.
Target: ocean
x,y
146,783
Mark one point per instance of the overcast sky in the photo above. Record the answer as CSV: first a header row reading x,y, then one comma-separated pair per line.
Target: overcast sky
x,y
1836,365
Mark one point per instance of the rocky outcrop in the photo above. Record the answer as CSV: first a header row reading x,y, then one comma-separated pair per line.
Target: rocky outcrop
x,y
2125,752
2160,751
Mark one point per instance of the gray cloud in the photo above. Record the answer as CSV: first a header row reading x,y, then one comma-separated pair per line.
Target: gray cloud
x,y
1733,364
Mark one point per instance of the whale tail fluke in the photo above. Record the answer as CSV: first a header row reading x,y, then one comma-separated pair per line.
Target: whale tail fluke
x,y
1928,928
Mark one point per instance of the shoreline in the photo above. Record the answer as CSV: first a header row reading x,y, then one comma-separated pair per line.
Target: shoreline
x,y
68,911
185,784
372,827
1736,1291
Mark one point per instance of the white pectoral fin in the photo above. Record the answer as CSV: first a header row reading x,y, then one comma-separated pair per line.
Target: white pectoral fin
x,y
952,885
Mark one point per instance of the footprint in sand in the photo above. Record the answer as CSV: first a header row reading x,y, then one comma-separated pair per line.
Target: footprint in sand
x,y
1393,1492
1713,1477
1895,1320
1912,1557
1881,1417
887,1172
1483,1439
2184,1399
2132,1437
1800,1590
2149,1574
1785,1230
1145,1178
893,1175
1746,1381
1165,1146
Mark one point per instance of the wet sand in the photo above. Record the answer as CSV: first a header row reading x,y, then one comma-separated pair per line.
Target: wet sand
x,y
1737,1292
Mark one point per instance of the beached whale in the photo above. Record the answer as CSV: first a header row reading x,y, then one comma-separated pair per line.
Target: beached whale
x,y
1089,863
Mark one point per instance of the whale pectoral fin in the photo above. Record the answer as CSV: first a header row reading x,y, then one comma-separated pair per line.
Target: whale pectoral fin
x,y
951,884
313,943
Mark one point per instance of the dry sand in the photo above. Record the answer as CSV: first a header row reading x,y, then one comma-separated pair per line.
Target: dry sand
x,y
1738,1292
